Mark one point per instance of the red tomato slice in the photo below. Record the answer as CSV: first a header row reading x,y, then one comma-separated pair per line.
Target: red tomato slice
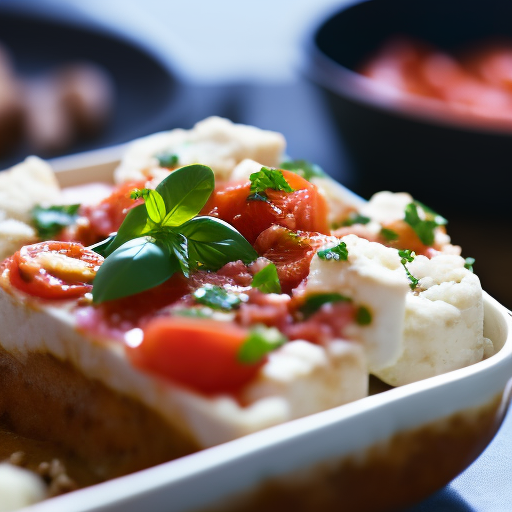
x,y
197,353
106,217
304,209
31,272
291,253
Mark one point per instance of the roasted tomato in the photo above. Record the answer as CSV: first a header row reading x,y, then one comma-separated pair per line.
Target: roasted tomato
x,y
304,209
106,216
291,253
200,354
53,270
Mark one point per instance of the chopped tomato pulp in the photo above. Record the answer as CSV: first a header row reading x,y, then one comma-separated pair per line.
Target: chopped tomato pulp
x,y
35,271
304,209
196,353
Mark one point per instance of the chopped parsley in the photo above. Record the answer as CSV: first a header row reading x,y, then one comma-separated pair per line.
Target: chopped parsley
x,y
259,343
469,262
303,168
424,228
168,160
264,179
363,316
407,256
389,235
50,221
355,218
315,301
216,297
337,253
267,280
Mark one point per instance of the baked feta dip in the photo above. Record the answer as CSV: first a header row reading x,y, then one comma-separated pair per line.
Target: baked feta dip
x,y
216,289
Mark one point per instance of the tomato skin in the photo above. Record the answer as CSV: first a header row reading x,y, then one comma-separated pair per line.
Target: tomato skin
x,y
304,209
200,354
106,217
26,276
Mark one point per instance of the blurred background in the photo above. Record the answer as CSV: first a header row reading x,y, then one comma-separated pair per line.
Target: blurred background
x,y
87,75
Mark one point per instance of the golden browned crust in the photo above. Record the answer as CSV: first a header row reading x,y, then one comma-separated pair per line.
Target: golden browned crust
x,y
392,475
47,400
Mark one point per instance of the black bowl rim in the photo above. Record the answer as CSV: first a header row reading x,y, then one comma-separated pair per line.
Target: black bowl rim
x,y
323,70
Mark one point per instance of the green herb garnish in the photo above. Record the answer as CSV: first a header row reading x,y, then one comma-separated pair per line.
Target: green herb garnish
x,y
337,253
52,220
469,262
303,168
259,343
389,235
424,228
363,316
267,280
315,301
155,241
216,297
407,256
264,179
167,160
355,218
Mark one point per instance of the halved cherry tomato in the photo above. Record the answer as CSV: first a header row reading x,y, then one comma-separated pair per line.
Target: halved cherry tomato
x,y
53,270
108,215
304,209
291,253
200,354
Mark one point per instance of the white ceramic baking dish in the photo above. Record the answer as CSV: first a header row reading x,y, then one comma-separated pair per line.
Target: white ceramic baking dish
x,y
380,453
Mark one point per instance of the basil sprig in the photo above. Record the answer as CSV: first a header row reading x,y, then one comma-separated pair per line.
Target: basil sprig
x,y
164,236
424,228
48,222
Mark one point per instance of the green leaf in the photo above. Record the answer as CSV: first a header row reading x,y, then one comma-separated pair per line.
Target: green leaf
x,y
154,202
337,253
179,246
267,280
303,168
315,301
212,243
185,192
407,256
136,266
389,235
216,297
424,228
469,262
102,247
167,160
134,225
355,218
264,179
363,316
50,221
259,343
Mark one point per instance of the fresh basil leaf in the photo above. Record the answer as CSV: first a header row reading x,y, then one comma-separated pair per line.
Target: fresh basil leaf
x,y
337,253
424,228
363,316
50,221
134,225
167,160
303,168
185,192
216,297
154,202
267,280
267,178
136,266
407,256
179,246
212,243
315,301
469,262
102,247
389,235
259,343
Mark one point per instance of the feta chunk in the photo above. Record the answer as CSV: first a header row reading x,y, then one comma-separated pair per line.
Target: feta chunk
x,y
19,488
215,142
372,277
443,322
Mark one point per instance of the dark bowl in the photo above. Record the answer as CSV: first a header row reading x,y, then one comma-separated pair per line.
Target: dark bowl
x,y
451,161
